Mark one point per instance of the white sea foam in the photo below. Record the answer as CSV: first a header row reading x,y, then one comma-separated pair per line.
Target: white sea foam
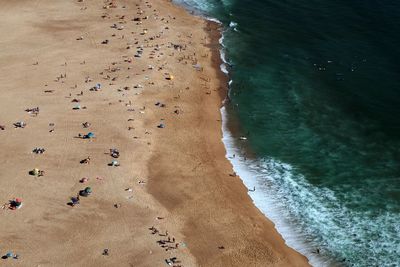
x,y
201,6
233,25
247,170
225,64
224,69
212,19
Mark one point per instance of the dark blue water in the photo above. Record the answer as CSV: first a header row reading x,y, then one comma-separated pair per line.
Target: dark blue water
x,y
316,89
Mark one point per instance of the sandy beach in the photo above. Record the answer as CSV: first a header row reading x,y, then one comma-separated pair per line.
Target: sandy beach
x,y
118,103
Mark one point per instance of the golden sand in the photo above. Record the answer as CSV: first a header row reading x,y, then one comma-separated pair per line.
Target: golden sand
x,y
171,195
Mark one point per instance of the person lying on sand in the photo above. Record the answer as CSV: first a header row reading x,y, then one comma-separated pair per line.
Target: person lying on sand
x,y
33,111
86,136
36,172
86,124
85,161
172,261
38,150
20,124
114,153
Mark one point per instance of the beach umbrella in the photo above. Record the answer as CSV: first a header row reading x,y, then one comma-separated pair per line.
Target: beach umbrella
x,y
90,135
88,190
18,200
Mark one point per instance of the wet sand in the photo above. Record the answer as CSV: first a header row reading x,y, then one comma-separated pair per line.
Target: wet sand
x,y
158,104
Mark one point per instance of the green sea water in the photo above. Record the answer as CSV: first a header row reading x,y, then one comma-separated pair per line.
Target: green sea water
x,y
316,90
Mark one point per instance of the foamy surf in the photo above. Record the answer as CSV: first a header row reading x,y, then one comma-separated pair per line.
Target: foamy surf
x,y
310,217
262,197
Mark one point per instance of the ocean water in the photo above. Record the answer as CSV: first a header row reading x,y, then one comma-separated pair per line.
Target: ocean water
x,y
315,89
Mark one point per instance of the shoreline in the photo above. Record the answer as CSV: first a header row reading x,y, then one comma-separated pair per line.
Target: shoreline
x,y
150,88
230,134
216,36
230,128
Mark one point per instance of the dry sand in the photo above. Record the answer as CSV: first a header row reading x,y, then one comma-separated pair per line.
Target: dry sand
x,y
187,189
